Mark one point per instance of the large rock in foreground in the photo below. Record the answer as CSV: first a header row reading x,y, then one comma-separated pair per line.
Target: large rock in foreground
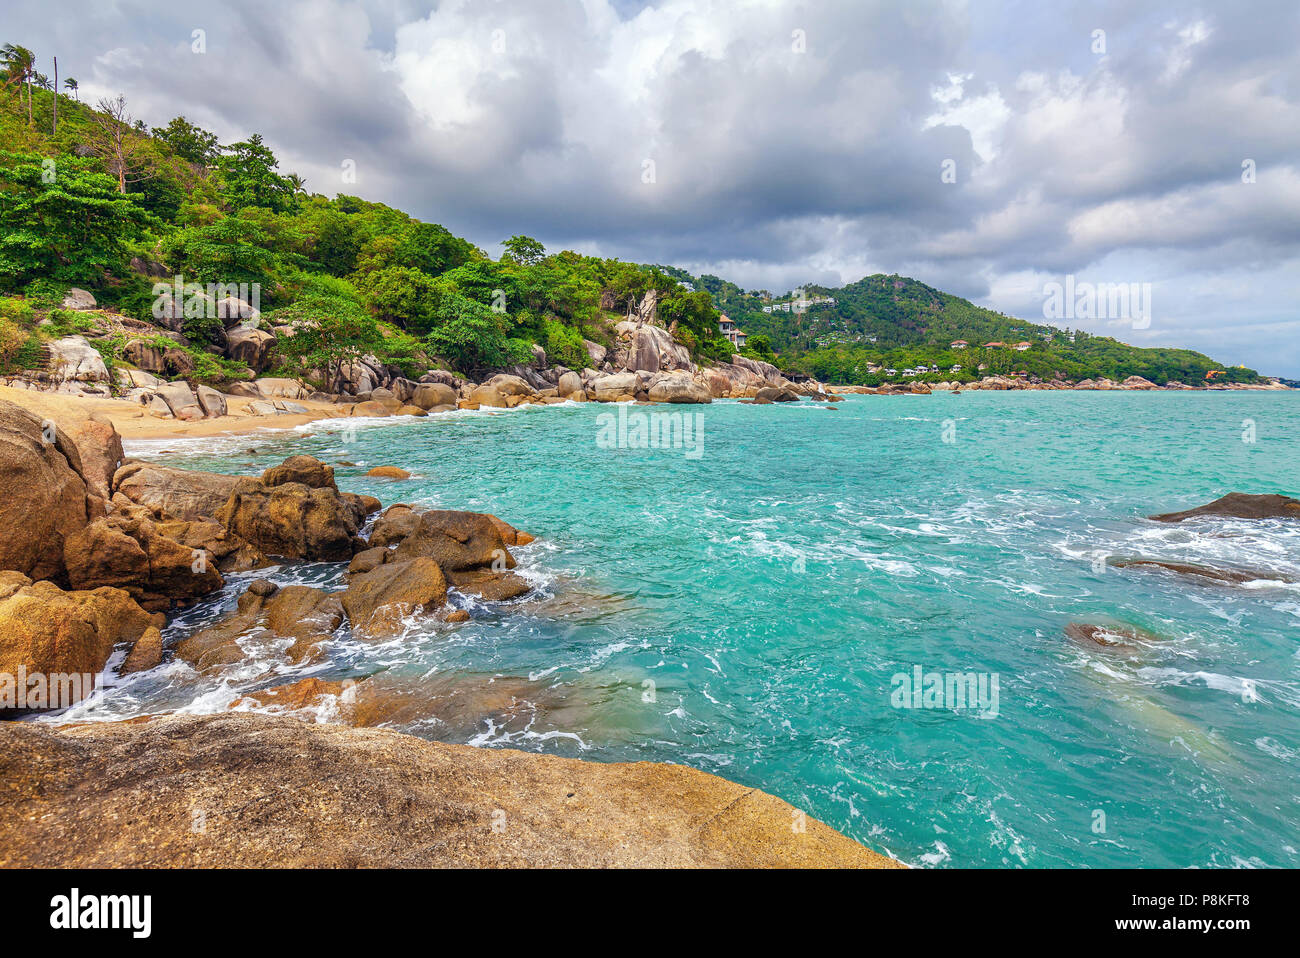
x,y
1240,505
274,791
44,494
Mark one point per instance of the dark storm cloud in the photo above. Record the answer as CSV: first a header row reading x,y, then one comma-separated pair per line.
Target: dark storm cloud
x,y
790,142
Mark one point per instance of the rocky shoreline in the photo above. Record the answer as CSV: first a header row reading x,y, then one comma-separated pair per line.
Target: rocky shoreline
x,y
645,363
1001,383
103,551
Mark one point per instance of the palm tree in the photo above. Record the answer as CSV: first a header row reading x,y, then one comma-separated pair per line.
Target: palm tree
x,y
71,84
20,64
296,182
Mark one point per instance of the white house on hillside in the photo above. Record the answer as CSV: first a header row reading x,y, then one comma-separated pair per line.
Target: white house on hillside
x,y
729,330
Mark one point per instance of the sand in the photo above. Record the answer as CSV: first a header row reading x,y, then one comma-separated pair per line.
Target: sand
x,y
132,421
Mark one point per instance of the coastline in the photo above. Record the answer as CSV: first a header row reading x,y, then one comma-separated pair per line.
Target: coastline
x,y
558,812
133,422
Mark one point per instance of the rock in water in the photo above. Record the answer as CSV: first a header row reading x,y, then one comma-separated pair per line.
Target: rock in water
x,y
1228,576
388,472
292,520
297,612
127,551
307,470
378,601
1240,505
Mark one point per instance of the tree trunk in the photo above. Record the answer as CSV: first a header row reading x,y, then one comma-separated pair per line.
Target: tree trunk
x,y
55,130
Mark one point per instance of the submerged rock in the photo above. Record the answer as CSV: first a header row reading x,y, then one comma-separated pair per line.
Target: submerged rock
x,y
378,601
1117,638
297,612
1240,505
1228,576
280,792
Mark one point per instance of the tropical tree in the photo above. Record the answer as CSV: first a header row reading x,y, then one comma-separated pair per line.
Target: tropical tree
x,y
188,141
470,335
248,176
71,84
20,65
328,333
70,228
231,250
296,183
523,250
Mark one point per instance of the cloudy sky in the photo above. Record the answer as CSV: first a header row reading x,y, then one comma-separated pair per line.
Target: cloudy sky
x,y
775,143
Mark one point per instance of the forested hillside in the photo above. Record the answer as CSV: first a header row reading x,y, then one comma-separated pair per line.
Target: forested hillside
x,y
107,203
98,199
900,323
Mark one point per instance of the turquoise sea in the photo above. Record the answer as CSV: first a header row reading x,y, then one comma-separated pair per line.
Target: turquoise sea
x,y
746,611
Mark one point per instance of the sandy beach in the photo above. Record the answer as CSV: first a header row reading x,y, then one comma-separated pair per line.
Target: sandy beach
x,y
134,422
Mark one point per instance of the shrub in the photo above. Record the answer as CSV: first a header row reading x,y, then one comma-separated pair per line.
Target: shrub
x,y
45,293
20,348
563,345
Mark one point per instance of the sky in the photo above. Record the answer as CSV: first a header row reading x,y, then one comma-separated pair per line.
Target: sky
x,y
987,149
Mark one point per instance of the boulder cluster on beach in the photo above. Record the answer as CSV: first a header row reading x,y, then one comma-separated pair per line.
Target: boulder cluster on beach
x,y
645,364
102,549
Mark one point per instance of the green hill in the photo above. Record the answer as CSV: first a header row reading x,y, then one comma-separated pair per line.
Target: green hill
x,y
901,323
